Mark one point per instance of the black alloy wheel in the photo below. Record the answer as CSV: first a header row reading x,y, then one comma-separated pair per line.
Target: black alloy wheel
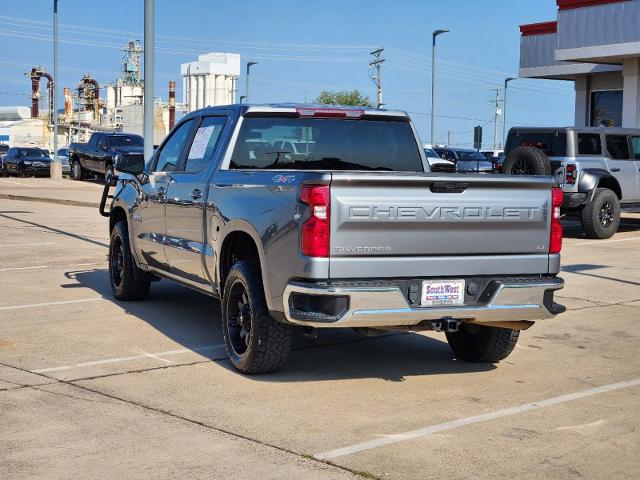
x,y
607,215
239,319
116,262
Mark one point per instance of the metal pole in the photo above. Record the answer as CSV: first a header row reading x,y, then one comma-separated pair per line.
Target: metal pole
x,y
56,166
495,122
246,90
148,78
433,82
504,112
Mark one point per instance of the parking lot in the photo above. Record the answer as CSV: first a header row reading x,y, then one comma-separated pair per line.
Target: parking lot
x,y
95,388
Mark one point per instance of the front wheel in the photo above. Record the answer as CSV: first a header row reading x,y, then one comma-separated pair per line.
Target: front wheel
x,y
476,343
600,217
255,342
127,281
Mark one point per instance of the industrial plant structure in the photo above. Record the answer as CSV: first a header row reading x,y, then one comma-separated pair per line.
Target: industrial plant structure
x,y
209,81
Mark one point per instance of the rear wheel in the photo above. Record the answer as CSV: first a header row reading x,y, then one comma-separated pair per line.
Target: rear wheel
x,y
600,217
108,174
527,161
77,172
128,282
476,343
255,342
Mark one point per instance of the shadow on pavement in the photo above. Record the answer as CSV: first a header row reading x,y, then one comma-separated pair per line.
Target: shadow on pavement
x,y
193,320
583,268
573,229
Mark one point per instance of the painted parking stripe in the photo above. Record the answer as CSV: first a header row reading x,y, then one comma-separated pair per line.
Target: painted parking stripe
x,y
49,304
156,356
26,244
38,267
461,422
604,242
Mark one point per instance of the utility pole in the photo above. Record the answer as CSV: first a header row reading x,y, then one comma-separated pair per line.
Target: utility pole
x,y
504,109
246,90
149,21
433,81
448,139
497,114
375,65
56,165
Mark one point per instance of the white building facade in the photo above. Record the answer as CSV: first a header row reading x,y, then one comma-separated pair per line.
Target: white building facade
x,y
210,81
596,44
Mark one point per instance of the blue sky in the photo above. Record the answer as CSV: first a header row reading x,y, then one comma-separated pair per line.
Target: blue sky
x,y
303,47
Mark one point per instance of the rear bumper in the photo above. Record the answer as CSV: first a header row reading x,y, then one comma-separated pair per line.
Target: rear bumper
x,y
573,199
379,305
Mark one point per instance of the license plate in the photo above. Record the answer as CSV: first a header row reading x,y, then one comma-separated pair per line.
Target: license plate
x,y
442,292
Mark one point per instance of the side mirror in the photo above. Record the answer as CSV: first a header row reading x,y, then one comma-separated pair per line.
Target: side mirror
x,y
131,164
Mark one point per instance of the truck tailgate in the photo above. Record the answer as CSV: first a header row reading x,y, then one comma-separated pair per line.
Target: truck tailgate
x,y
423,215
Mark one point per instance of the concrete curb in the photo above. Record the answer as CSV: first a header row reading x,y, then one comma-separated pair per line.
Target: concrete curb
x,y
59,201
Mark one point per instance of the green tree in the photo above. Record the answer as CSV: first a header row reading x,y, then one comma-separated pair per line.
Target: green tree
x,y
343,97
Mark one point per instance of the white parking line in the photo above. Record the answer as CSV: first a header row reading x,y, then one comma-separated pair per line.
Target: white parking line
x,y
604,242
48,304
26,244
37,267
16,183
461,422
156,356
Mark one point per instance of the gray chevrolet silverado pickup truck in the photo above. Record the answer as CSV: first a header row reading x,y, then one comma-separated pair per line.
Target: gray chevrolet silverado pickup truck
x,y
349,228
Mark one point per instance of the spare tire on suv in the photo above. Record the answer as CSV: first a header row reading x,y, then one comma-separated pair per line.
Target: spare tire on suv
x,y
527,161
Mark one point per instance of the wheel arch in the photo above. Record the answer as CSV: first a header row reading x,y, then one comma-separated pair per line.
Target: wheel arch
x,y
592,179
240,242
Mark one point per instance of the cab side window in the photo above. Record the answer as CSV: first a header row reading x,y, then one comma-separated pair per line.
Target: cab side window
x,y
204,144
170,153
635,142
589,144
618,147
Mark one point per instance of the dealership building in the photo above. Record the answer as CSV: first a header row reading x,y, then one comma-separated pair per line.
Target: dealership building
x,y
595,44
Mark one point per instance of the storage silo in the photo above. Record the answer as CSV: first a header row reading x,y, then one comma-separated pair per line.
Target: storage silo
x,y
211,80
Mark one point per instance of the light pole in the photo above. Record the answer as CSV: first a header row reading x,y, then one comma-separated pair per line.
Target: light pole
x,y
433,82
148,78
504,113
56,166
246,90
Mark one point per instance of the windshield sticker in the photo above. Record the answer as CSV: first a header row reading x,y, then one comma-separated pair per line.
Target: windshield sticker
x,y
201,142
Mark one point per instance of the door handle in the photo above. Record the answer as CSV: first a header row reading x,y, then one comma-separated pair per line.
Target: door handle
x,y
615,169
196,194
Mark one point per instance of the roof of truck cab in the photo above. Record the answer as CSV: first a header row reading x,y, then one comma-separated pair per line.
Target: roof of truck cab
x,y
609,130
242,108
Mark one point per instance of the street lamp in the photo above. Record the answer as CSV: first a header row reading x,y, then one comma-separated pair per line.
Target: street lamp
x,y
56,166
504,113
433,82
149,21
246,92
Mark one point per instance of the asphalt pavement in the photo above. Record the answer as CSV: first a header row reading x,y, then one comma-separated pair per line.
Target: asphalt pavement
x,y
95,388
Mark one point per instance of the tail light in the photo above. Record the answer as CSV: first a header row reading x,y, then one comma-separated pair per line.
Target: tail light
x,y
316,229
555,242
570,174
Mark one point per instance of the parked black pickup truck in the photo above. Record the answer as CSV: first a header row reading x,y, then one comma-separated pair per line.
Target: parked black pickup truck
x,y
100,153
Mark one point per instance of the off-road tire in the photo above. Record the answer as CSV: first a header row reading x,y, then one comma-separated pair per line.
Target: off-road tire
x,y
527,161
476,343
591,215
129,283
76,171
269,341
